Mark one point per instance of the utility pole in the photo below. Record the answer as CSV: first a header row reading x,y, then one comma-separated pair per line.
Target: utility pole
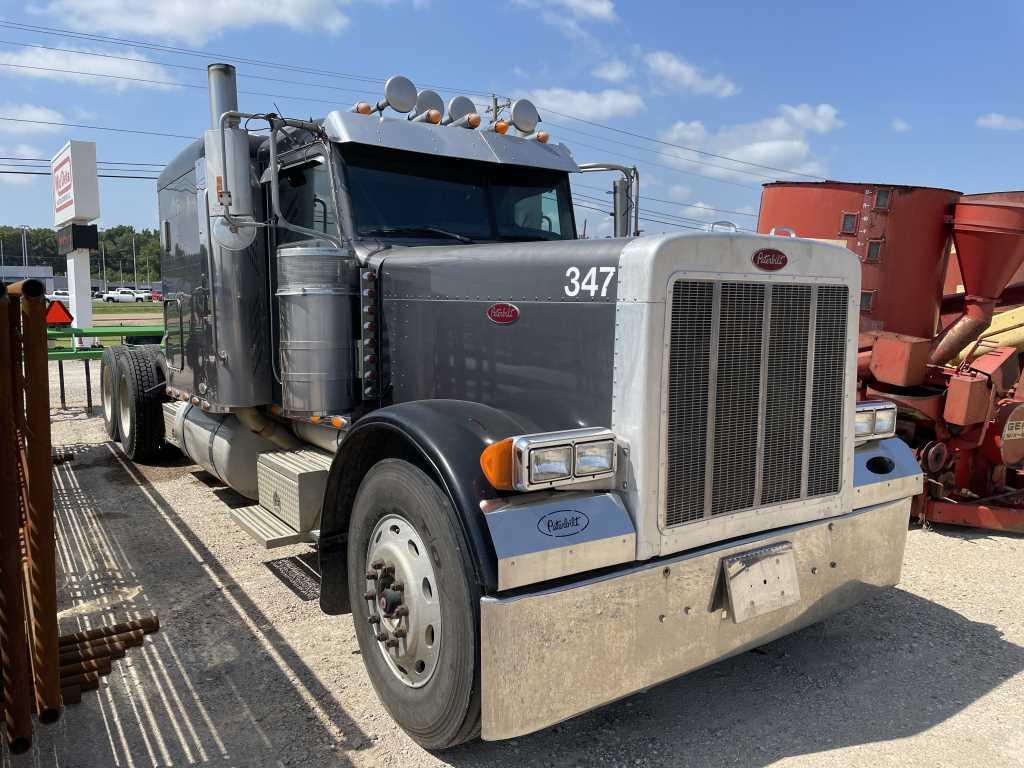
x,y
104,283
135,266
3,265
24,248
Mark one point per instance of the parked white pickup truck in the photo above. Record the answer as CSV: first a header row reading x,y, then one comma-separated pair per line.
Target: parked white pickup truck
x,y
126,295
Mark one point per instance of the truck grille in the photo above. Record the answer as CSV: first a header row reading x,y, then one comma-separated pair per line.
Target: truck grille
x,y
740,406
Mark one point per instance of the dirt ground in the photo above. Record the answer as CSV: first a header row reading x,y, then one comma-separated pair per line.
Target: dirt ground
x,y
245,671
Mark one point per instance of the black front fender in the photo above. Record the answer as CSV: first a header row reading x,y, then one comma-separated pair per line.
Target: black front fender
x,y
443,437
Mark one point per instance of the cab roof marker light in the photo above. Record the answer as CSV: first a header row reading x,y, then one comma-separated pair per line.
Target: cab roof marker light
x,y
362,108
498,126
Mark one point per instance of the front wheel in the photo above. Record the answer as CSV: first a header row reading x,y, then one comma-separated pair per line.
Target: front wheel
x,y
415,604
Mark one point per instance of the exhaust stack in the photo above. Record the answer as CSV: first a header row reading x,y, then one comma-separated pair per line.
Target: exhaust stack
x,y
988,231
223,93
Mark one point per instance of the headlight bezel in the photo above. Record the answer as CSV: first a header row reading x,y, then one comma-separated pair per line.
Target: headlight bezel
x,y
523,445
869,412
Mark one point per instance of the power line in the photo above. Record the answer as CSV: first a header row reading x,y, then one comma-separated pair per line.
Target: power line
x,y
39,29
675,202
9,119
99,175
659,153
98,162
173,83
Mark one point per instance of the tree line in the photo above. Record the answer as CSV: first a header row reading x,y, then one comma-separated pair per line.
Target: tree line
x,y
115,243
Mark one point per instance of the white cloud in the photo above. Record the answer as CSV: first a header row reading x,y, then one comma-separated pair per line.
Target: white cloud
x,y
779,142
680,192
998,122
569,16
676,72
195,21
584,10
820,119
899,125
28,112
138,68
19,150
593,105
614,71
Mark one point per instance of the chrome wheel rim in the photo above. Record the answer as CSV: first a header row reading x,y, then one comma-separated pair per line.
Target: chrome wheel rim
x,y
402,595
124,403
108,394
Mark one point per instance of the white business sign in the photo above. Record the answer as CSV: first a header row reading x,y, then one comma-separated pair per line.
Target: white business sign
x,y
76,192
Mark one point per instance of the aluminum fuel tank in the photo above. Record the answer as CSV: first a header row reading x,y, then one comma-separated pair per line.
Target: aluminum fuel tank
x,y
317,297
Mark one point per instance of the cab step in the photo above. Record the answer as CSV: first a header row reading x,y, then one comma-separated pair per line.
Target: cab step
x,y
267,529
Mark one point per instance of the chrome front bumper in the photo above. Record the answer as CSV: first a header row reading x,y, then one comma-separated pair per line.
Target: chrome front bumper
x,y
552,654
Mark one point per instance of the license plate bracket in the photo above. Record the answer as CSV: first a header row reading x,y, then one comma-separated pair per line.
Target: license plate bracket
x,y
761,580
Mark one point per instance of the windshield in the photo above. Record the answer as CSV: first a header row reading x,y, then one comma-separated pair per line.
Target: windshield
x,y
406,194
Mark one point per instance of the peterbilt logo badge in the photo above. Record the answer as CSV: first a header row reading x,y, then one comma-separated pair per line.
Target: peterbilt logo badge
x,y
564,522
502,313
769,259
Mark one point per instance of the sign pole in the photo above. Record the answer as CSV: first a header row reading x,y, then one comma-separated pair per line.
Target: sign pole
x,y
80,290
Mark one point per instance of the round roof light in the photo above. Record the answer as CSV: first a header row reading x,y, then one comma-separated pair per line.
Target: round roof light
x,y
459,107
524,115
399,94
427,100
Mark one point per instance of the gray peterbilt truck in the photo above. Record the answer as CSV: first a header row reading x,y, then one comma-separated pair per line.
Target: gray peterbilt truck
x,y
541,472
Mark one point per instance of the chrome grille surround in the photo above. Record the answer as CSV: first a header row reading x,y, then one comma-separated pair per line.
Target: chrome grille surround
x,y
740,405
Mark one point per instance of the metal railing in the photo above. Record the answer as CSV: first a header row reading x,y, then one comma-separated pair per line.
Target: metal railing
x,y
87,354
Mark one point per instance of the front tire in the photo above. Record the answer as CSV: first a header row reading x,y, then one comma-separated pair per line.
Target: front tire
x,y
140,416
403,530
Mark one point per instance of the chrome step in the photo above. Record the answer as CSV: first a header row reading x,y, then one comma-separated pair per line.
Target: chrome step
x,y
267,529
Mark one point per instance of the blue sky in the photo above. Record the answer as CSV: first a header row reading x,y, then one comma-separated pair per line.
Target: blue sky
x,y
916,92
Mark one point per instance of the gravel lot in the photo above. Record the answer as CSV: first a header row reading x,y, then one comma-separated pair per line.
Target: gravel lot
x,y
245,671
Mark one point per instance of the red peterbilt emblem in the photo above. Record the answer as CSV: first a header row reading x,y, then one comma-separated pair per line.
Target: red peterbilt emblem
x,y
502,313
769,259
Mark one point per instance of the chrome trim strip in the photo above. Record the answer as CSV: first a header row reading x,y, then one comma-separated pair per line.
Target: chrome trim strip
x,y
709,450
812,325
762,394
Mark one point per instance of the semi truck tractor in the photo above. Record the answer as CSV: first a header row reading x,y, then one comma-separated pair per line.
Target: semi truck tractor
x,y
541,472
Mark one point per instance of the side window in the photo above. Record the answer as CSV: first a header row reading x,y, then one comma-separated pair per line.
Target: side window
x,y
174,333
848,224
867,301
306,200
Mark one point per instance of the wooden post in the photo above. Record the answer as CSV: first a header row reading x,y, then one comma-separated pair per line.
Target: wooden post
x,y
39,524
14,659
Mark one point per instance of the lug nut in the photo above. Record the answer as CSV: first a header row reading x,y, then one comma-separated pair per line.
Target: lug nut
x,y
371,575
399,632
392,643
382,637
398,586
377,565
371,595
375,619
389,570
401,611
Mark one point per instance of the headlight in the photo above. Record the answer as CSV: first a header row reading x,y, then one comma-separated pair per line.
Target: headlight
x,y
595,458
874,420
550,459
550,464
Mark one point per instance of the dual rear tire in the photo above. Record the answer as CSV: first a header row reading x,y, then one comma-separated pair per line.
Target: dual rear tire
x,y
130,380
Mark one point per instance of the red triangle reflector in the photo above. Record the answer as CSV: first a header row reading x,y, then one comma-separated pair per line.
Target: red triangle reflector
x,y
57,314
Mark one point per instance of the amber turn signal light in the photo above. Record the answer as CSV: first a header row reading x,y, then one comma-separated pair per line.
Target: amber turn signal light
x,y
501,127
496,463
473,120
